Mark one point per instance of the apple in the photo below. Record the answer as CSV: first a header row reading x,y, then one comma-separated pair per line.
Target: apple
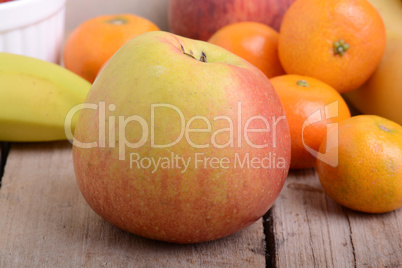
x,y
180,140
201,19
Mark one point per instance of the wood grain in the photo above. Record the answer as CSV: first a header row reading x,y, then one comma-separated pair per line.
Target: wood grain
x,y
311,230
46,222
377,240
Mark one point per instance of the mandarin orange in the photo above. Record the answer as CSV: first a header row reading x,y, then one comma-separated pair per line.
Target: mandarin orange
x,y
340,42
368,174
254,42
308,104
93,42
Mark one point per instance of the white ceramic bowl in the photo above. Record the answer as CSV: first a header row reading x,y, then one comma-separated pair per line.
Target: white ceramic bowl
x,y
33,28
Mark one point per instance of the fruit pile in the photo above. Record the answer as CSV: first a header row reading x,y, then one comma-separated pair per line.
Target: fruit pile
x,y
187,140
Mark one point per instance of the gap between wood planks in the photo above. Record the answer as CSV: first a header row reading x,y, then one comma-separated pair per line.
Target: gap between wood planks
x,y
4,149
270,243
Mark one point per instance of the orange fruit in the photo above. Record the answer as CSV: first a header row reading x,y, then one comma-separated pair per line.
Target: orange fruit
x,y
93,42
340,42
368,176
310,105
254,42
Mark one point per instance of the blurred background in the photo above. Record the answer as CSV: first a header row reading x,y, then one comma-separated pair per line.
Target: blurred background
x,y
78,11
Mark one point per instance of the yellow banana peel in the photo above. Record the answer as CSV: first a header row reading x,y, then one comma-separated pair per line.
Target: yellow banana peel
x,y
35,97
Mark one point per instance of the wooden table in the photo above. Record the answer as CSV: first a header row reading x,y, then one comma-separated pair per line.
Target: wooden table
x,y
44,221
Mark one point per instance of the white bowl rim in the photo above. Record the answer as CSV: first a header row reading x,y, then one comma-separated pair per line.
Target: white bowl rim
x,y
21,13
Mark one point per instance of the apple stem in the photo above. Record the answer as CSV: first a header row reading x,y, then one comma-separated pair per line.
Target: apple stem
x,y
203,57
340,47
191,56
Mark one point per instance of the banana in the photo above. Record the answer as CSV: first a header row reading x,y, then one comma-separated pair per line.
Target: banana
x,y
35,97
382,93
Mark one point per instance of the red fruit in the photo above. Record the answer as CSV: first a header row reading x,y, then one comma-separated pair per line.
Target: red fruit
x,y
201,19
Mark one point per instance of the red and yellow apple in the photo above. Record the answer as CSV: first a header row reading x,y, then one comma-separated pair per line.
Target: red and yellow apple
x,y
180,141
200,19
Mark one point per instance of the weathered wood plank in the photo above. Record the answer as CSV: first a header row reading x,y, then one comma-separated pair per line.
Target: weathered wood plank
x,y
312,230
377,239
46,222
